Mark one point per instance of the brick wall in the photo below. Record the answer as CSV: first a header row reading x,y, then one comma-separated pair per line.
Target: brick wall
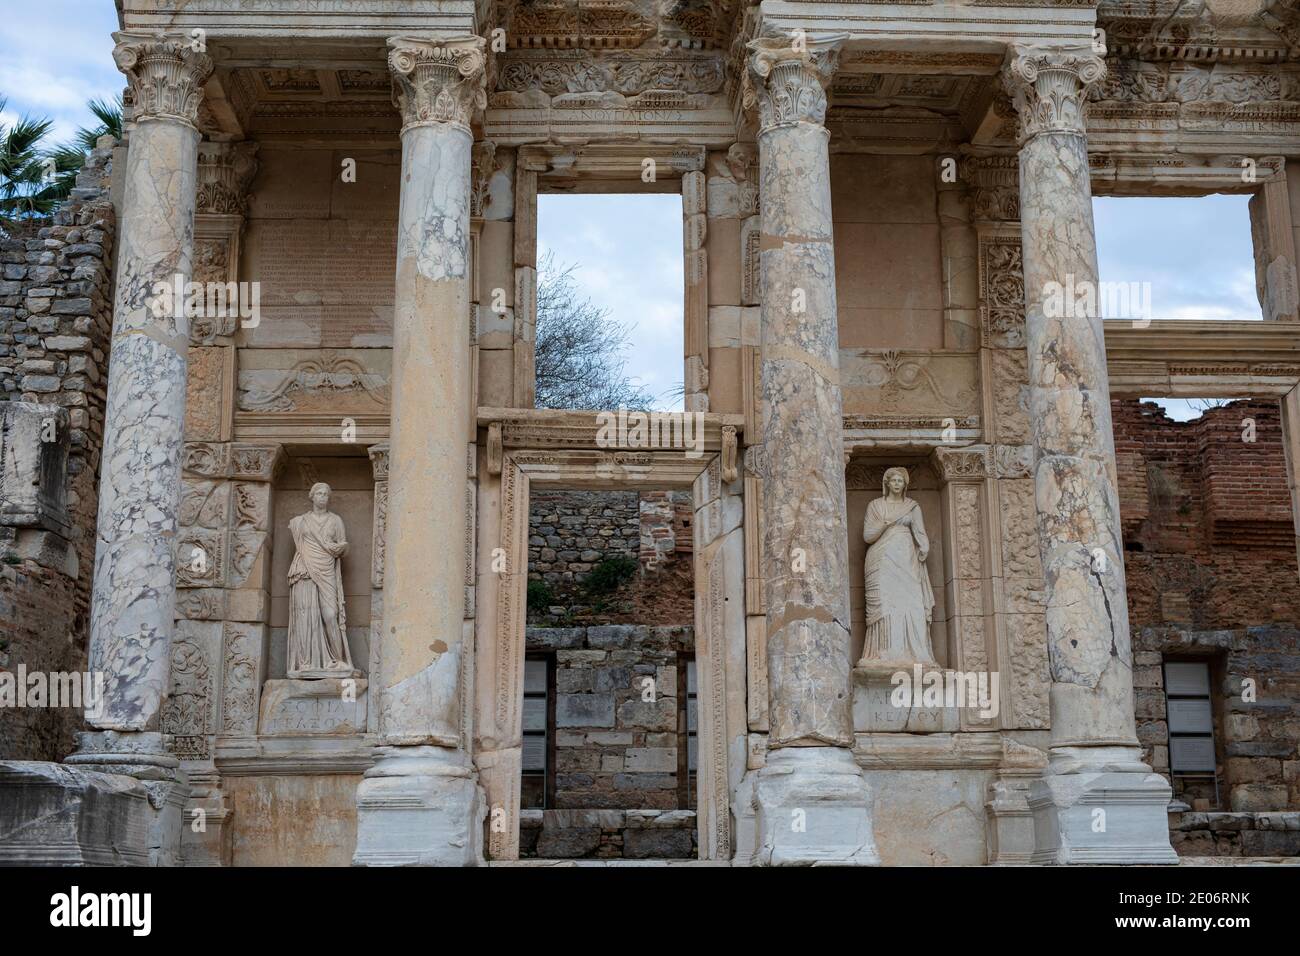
x,y
55,325
1210,566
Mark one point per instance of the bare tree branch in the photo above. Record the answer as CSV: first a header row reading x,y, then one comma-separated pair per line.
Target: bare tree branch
x,y
579,349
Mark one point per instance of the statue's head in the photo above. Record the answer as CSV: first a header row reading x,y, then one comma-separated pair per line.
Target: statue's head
x,y
895,481
319,494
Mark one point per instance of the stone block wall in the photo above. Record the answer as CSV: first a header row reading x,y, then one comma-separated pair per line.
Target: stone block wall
x,y
56,315
1211,572
608,834
616,714
569,532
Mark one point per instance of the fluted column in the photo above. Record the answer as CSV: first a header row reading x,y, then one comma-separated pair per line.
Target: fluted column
x,y
420,802
134,590
811,797
1095,759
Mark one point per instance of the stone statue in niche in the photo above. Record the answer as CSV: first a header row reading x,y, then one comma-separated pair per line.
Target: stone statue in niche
x,y
899,599
318,642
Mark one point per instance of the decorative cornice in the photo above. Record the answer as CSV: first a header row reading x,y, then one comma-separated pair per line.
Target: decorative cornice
x,y
225,172
787,80
1049,86
165,75
437,81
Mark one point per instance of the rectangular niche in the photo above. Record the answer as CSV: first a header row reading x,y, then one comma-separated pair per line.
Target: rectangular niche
x,y
863,479
352,496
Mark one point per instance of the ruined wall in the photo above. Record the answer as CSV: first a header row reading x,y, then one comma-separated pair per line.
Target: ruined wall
x,y
570,531
1211,573
55,320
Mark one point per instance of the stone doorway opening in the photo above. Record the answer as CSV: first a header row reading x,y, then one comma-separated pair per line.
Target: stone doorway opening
x,y
610,689
607,700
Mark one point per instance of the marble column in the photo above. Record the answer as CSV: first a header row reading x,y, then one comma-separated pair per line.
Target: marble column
x,y
1097,801
811,798
420,804
133,600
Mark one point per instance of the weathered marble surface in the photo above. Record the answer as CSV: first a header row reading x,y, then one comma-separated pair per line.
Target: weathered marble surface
x,y
1097,802
421,802
424,576
1069,407
805,545
810,799
134,583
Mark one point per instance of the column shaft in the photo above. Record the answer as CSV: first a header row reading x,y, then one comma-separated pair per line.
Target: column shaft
x,y
810,799
805,544
421,804
1096,801
425,573
134,595
1069,405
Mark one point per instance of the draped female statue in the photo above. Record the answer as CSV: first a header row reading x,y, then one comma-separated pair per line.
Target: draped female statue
x,y
318,642
899,599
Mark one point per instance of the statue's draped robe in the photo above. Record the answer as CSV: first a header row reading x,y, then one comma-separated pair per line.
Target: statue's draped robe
x,y
317,620
899,599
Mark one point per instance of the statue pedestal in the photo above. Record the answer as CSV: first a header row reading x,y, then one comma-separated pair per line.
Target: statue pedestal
x,y
328,706
884,702
325,674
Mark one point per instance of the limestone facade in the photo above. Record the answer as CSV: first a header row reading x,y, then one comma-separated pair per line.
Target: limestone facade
x,y
876,200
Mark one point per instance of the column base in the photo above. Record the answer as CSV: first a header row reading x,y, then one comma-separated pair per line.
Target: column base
x,y
813,807
1100,805
419,806
144,757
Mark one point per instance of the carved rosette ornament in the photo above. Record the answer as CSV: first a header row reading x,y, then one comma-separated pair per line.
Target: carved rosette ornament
x,y
1049,86
437,81
165,75
786,80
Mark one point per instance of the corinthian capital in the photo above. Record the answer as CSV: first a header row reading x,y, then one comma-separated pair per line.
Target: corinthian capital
x,y
1049,86
787,78
165,73
225,171
437,81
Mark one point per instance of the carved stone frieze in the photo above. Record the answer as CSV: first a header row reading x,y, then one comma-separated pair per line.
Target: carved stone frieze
x,y
1002,292
602,24
240,679
557,72
188,709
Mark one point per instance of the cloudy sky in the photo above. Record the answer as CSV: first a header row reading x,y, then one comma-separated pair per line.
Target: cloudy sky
x,y
1196,254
